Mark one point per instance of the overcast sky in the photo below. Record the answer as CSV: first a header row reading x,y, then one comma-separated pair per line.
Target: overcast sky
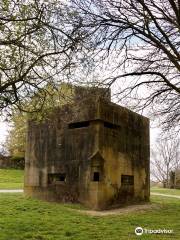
x,y
3,132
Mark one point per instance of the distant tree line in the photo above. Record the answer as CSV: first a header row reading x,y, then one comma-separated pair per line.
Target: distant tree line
x,y
165,158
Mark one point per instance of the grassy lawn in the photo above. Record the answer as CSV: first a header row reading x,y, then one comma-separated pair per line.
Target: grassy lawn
x,y
25,218
11,179
165,191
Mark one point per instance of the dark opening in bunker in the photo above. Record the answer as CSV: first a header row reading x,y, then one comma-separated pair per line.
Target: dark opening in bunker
x,y
96,176
78,124
111,125
56,177
127,180
62,177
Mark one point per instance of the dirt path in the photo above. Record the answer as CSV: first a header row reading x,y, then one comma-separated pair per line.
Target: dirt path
x,y
11,191
120,211
165,195
128,209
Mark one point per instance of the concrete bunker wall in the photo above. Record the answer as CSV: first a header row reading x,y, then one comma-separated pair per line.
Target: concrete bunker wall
x,y
94,152
121,159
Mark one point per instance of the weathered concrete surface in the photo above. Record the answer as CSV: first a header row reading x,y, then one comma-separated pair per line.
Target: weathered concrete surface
x,y
91,151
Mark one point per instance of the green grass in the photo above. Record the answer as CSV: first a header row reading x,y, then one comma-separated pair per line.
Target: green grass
x,y
24,218
166,191
11,179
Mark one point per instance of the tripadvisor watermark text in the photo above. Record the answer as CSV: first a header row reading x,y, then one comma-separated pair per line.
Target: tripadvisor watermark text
x,y
139,231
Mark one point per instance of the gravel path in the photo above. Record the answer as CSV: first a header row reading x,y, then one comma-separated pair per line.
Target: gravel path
x,y
165,195
11,191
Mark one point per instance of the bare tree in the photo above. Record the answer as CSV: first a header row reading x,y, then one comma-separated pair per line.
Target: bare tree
x,y
135,41
36,47
138,40
164,159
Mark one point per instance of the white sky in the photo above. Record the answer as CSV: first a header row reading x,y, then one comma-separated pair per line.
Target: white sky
x,y
3,132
